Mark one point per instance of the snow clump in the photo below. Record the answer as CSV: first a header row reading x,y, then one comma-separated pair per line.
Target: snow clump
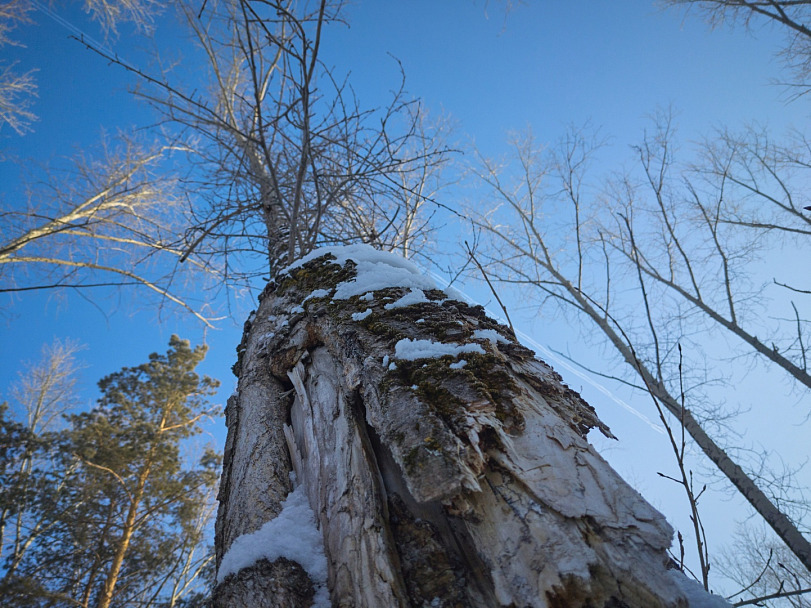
x,y
317,293
415,296
490,334
291,534
375,270
411,350
360,316
696,596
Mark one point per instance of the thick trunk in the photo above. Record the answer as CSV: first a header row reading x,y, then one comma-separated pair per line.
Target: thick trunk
x,y
455,480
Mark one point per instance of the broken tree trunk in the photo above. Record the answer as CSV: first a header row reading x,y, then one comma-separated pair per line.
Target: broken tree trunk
x,y
445,464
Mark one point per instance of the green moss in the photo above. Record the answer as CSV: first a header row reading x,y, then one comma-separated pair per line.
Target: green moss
x,y
435,294
399,323
411,459
437,385
321,273
431,443
376,324
428,376
488,373
440,400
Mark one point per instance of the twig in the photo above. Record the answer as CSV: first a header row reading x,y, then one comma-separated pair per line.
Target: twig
x,y
490,285
773,596
776,282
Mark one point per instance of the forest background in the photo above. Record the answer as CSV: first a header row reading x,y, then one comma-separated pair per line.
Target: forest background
x,y
603,68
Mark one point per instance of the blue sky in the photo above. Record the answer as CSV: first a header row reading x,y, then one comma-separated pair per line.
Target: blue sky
x,y
543,66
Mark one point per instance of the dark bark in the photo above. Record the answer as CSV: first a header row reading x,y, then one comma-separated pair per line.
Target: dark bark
x,y
282,584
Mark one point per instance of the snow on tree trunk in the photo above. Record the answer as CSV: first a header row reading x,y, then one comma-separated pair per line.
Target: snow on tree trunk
x,y
445,465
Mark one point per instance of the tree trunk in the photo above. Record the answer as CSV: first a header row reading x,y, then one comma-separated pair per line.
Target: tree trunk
x,y
123,544
456,479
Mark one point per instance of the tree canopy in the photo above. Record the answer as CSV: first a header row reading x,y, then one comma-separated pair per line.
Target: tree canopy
x,y
107,511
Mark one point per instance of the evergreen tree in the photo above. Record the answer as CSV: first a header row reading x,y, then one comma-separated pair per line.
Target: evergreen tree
x,y
127,526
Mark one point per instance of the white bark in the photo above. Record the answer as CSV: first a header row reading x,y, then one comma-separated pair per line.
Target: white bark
x,y
432,486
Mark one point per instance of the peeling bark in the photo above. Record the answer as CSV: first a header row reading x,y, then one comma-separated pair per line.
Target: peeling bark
x,y
432,485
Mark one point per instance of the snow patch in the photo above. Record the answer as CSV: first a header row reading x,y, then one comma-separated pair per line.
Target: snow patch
x,y
367,297
296,310
696,596
415,296
317,293
458,365
426,349
360,316
490,334
455,294
375,270
291,534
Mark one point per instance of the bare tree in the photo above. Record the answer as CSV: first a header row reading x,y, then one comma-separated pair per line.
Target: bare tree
x,y
289,158
765,570
792,16
407,228
285,159
110,221
44,392
112,13
651,264
16,89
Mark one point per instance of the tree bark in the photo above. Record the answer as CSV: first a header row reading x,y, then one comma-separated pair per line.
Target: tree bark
x,y
459,480
123,543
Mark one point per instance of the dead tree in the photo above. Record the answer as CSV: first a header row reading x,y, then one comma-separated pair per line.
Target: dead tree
x,y
445,464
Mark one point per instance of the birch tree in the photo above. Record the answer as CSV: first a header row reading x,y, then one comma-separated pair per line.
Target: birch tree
x,y
284,158
654,262
44,393
790,16
109,219
479,490
18,90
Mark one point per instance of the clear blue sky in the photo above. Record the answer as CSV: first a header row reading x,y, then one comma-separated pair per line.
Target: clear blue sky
x,y
543,66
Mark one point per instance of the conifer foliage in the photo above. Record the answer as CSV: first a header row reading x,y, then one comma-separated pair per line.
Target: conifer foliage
x,y
113,515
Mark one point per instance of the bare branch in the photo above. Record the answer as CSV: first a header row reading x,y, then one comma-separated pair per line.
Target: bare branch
x,y
682,256
291,160
116,217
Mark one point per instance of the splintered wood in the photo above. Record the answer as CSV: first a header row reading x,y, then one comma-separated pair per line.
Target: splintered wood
x,y
447,480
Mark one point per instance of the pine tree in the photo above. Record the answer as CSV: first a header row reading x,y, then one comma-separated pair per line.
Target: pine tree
x,y
127,525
